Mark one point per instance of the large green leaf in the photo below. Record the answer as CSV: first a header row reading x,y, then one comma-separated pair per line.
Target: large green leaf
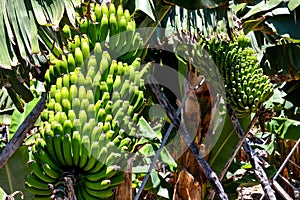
x,y
293,4
145,6
225,144
205,21
18,27
284,25
198,4
282,62
12,175
18,118
20,35
284,127
262,6
6,107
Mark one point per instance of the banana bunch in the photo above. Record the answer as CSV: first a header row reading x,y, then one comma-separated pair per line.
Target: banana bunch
x,y
246,85
113,27
88,124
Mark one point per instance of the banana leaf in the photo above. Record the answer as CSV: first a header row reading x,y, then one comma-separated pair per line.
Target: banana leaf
x,y
12,175
6,107
285,128
21,36
19,21
226,143
277,18
203,21
18,117
198,4
282,62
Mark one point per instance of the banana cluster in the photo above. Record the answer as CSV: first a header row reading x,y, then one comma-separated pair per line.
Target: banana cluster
x,y
113,27
246,85
88,124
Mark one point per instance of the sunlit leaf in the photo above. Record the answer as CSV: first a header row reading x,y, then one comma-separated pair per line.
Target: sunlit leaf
x,y
145,6
155,179
225,144
293,4
3,195
254,24
18,118
198,4
12,175
262,6
284,127
70,11
146,130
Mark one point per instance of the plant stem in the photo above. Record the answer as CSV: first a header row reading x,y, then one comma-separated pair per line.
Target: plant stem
x,y
17,140
210,174
254,160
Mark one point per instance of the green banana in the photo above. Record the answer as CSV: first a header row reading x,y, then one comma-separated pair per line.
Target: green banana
x,y
78,55
103,28
85,151
98,12
66,81
101,160
104,184
49,171
91,112
57,141
107,170
71,62
113,159
35,190
97,54
93,156
76,147
103,194
35,182
67,149
38,171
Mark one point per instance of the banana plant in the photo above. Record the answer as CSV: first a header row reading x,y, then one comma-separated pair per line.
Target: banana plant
x,y
27,29
272,26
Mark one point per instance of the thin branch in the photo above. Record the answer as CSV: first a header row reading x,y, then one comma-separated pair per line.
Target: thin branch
x,y
154,159
17,140
254,160
235,151
210,174
238,146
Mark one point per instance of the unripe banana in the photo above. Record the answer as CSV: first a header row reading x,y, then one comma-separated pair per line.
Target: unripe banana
x,y
120,11
78,57
88,83
104,184
104,9
103,67
103,28
85,150
35,190
76,147
97,53
82,92
49,171
98,12
91,112
76,105
93,156
84,104
39,172
57,141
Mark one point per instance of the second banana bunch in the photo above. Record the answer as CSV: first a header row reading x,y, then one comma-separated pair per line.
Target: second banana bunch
x,y
245,84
